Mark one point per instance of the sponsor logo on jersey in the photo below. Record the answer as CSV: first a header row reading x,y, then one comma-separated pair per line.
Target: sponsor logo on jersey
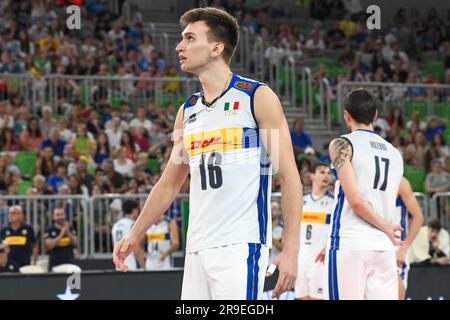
x,y
158,236
16,240
316,217
214,141
64,242
243,85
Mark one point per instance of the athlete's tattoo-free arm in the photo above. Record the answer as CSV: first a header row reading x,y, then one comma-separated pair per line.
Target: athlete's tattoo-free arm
x,y
270,118
412,206
159,199
341,154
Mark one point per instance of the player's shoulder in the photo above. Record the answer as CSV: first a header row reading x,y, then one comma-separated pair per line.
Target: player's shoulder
x,y
245,85
329,194
192,100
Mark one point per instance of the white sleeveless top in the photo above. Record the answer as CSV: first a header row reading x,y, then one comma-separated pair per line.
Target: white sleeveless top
x,y
230,183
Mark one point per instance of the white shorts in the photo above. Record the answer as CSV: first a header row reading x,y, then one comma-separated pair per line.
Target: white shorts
x,y
309,281
152,263
360,275
233,272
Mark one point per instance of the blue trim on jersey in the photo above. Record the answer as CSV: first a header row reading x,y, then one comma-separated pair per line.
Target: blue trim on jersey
x,y
328,219
333,289
262,206
403,271
247,86
254,253
403,216
334,172
365,130
337,220
250,138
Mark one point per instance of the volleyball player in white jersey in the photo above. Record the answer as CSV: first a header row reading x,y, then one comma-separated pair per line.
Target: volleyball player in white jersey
x,y
122,227
360,261
409,216
162,240
314,227
223,144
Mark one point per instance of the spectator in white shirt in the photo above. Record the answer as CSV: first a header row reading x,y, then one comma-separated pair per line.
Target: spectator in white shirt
x,y
114,133
140,121
122,164
315,46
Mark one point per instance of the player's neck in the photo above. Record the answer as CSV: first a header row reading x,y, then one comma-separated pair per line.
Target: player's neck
x,y
360,126
318,192
215,80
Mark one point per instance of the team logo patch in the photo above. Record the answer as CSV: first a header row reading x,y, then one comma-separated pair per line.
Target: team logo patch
x,y
243,85
192,101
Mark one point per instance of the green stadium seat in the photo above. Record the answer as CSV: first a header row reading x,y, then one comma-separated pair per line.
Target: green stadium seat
x,y
442,110
419,106
23,186
416,177
437,68
334,112
447,135
26,161
115,101
153,165
328,62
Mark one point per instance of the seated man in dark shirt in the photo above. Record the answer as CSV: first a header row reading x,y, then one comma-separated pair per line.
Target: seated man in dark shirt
x,y
60,240
21,240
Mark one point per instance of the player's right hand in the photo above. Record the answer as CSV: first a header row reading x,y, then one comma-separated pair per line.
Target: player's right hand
x,y
394,234
122,250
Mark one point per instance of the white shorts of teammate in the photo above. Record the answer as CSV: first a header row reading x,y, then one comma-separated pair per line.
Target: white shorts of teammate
x,y
154,263
232,272
360,275
309,281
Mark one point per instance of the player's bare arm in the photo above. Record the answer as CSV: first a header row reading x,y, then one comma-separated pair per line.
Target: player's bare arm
x,y
159,199
341,154
270,117
412,205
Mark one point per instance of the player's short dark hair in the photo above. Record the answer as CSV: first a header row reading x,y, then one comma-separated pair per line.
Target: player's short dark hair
x,y
318,165
222,26
361,105
435,225
128,206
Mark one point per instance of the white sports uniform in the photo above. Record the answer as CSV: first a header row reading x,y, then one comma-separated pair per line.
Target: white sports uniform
x,y
360,261
158,241
229,231
120,229
401,219
314,228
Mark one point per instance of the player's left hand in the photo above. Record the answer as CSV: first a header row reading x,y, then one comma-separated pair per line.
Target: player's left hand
x,y
286,264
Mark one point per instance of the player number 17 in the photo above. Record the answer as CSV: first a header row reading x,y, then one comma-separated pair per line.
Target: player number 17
x,y
378,171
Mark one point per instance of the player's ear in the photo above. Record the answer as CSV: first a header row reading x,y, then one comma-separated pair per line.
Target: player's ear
x,y
217,49
376,115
